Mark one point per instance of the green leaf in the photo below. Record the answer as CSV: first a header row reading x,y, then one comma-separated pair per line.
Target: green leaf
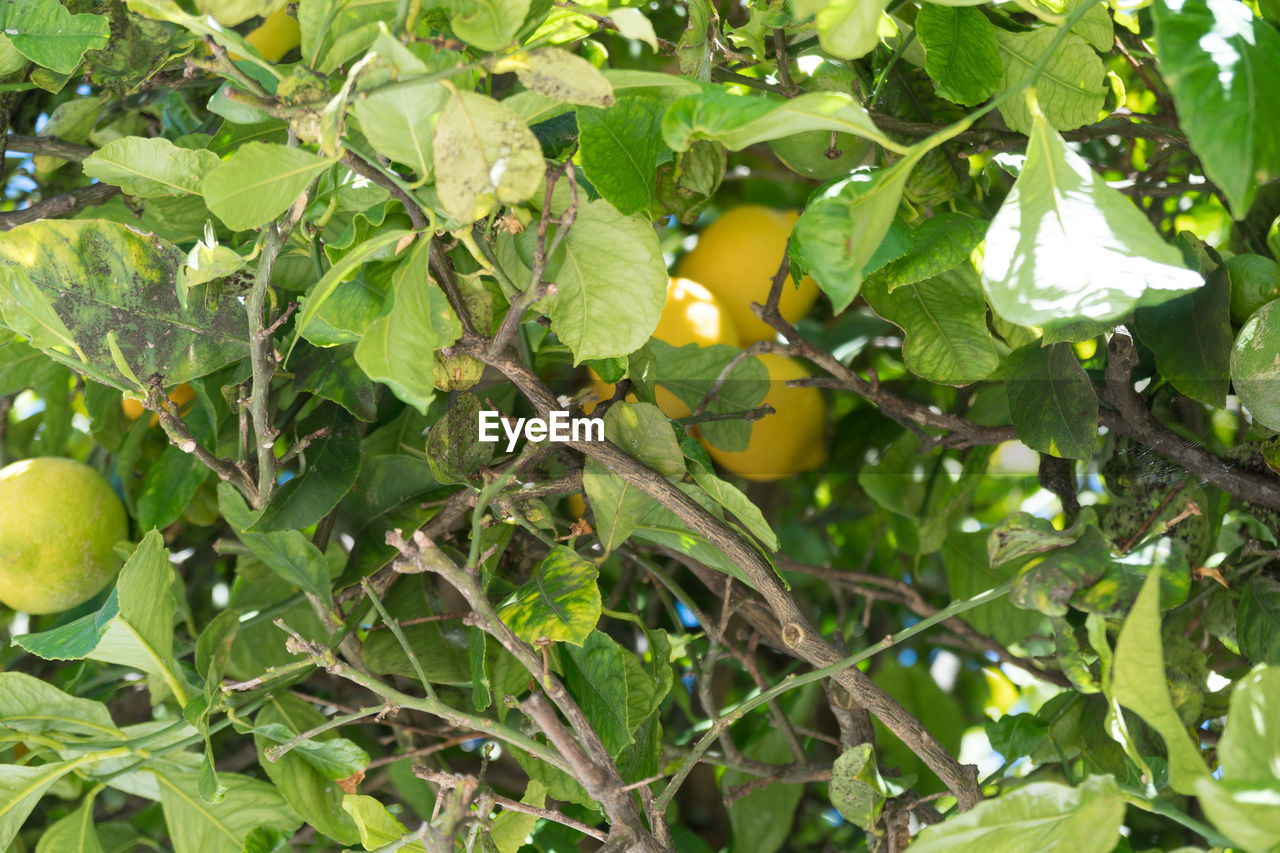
x,y
561,602
21,788
855,787
198,827
840,231
97,277
133,628
1138,682
400,121
485,157
332,373
288,553
1222,62
1191,339
259,182
1036,817
961,52
487,24
693,53
170,484
28,704
644,433
332,465
726,494
397,345
556,73
377,826
1051,400
620,148
151,168
606,260
1071,89
689,372
848,29
1250,746
596,676
335,31
616,505
940,243
661,526
322,290
761,821
944,322
311,792
510,829
1249,812
1064,246
737,121
45,32
1258,620
73,832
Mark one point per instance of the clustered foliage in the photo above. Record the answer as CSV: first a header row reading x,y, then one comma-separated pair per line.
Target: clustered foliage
x,y
344,622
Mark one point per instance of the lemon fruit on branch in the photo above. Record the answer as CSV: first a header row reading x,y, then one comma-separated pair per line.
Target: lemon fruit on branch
x,y
788,441
59,521
691,315
736,258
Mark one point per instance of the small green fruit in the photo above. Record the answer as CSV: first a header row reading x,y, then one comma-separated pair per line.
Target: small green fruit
x,y
58,523
1255,365
807,153
1255,281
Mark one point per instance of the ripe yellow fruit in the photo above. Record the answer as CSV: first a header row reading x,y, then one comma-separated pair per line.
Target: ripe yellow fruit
x,y
275,36
788,441
576,504
736,257
58,522
179,396
691,315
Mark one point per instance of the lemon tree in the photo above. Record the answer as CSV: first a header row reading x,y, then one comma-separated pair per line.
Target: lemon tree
x,y
965,540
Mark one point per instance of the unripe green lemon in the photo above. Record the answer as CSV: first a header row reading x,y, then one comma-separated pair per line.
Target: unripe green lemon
x,y
58,522
1255,365
1255,281
806,153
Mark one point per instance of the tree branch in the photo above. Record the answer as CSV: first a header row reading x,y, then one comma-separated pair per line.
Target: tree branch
x,y
62,204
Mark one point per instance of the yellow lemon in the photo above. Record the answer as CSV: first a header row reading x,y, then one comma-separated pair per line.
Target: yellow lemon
x,y
576,504
736,257
788,441
58,522
691,315
275,36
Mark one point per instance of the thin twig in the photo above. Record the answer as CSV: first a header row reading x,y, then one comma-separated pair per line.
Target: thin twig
x,y
262,359
62,204
450,780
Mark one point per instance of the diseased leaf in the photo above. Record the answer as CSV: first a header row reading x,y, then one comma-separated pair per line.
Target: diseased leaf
x,y
561,602
645,433
558,74
1066,247
485,156
73,283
